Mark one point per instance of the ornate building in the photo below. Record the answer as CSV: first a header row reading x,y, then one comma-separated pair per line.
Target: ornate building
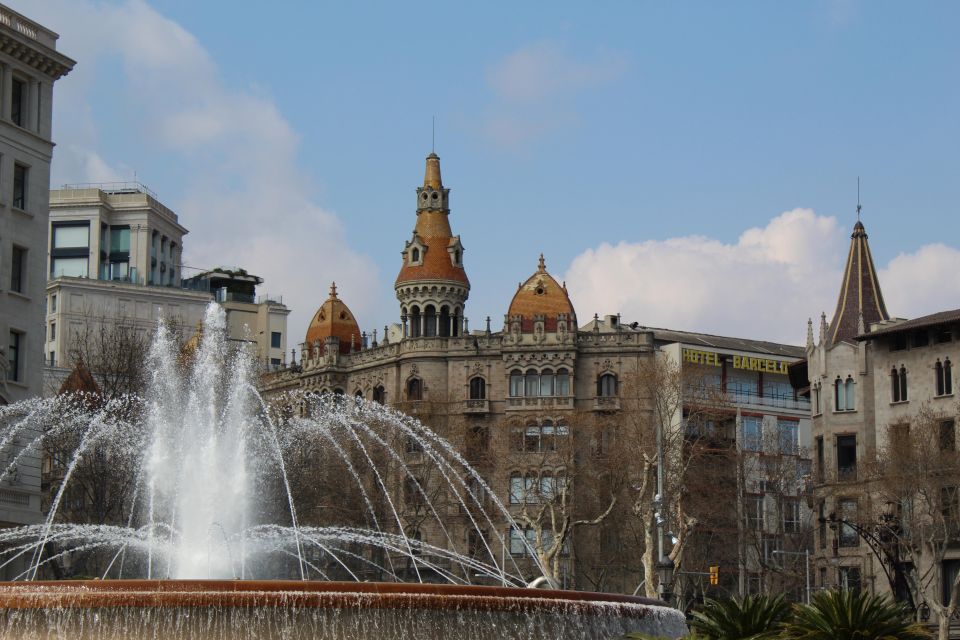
x,y
882,402
535,407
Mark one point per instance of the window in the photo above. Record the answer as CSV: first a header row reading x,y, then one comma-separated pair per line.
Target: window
x,y
478,442
942,334
849,578
816,399
413,492
414,389
787,432
752,433
522,541
898,342
848,515
53,331
536,438
19,187
53,303
944,374
753,512
607,385
13,356
478,388
516,384
950,508
920,338
379,394
562,383
70,250
898,384
415,255
532,384
18,99
546,382
429,321
822,523
18,269
948,435
820,461
415,326
847,457
851,394
770,544
275,339
791,515
413,444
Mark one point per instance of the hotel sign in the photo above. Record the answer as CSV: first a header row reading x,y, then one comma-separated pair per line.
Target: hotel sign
x,y
712,358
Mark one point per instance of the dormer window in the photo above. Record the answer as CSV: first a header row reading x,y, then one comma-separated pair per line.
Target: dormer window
x,y
415,255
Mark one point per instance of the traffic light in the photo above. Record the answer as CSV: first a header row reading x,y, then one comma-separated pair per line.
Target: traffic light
x,y
714,575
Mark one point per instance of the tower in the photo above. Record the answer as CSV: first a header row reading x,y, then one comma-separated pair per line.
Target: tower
x,y
432,286
860,302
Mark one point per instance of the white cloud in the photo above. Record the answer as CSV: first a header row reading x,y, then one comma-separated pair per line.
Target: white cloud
x,y
763,286
246,203
927,281
533,90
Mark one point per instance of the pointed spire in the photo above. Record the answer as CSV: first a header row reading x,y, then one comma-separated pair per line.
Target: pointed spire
x,y
860,302
542,266
333,291
823,327
809,333
431,178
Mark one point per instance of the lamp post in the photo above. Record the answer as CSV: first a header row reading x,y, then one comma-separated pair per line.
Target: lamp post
x,y
665,565
806,554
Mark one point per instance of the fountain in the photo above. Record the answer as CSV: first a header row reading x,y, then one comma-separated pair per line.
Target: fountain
x,y
208,513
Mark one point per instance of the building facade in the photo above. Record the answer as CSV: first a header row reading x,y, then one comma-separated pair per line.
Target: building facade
x,y
29,67
883,424
115,265
540,397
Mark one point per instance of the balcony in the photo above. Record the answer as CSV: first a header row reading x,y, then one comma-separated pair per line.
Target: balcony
x,y
539,402
476,406
606,403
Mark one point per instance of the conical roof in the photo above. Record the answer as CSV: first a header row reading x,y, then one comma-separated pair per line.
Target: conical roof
x,y
542,295
80,380
860,302
333,318
442,254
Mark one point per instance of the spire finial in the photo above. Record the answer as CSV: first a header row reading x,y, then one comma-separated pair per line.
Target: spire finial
x,y
333,290
542,265
858,199
433,134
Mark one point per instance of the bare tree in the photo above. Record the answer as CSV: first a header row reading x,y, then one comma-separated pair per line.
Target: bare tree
x,y
918,470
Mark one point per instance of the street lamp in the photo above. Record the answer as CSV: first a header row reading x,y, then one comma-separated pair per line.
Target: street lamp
x,y
665,568
806,554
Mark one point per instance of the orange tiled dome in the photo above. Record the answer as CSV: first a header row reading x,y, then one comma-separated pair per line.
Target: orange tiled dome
x,y
434,234
333,318
541,295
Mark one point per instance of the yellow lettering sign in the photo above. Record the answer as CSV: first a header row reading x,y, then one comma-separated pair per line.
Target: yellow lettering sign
x,y
714,359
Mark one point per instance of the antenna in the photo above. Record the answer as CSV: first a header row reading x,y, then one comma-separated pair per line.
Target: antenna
x,y
858,199
433,134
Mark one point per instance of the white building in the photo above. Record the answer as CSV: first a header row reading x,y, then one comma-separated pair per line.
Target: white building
x,y
115,256
29,66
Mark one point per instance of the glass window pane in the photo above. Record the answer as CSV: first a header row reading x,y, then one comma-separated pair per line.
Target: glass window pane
x,y
119,239
71,267
546,384
71,237
562,386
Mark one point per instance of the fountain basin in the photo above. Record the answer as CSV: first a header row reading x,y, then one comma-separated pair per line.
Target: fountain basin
x,y
247,609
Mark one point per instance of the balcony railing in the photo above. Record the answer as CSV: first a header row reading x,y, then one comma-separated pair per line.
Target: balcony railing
x,y
743,397
540,402
476,406
606,403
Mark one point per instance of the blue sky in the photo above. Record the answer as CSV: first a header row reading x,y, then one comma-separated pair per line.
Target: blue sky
x,y
690,165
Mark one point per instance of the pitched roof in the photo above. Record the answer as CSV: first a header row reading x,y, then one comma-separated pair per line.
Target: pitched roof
x,y
80,380
542,295
932,320
860,295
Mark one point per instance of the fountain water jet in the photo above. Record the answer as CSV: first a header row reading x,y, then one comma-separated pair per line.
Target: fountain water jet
x,y
202,446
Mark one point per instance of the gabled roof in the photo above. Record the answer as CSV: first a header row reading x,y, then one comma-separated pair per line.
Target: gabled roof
x,y
934,319
860,302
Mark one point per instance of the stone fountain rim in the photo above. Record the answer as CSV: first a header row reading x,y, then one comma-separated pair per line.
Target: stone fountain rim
x,y
313,594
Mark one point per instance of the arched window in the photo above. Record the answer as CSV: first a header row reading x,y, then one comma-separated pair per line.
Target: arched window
x,y
457,321
445,321
415,324
607,385
851,394
414,389
546,382
516,384
358,394
944,377
415,255
478,388
532,386
456,257
562,383
839,395
815,392
548,436
898,383
379,394
429,321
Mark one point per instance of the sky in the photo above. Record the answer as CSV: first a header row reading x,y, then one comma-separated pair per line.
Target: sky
x,y
690,165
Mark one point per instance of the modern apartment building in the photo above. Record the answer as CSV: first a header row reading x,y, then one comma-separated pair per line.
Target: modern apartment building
x,y
29,67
